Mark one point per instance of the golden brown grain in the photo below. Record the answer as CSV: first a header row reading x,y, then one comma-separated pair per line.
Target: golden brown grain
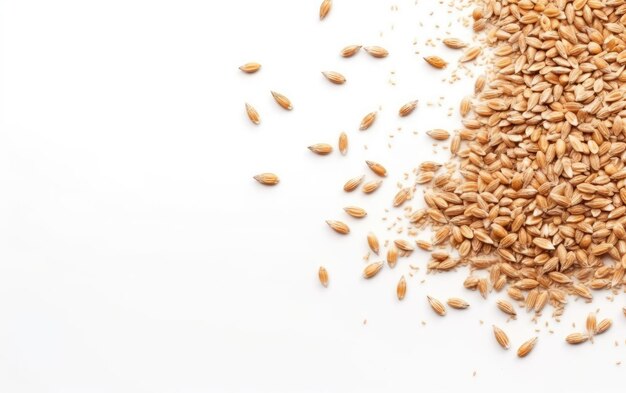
x,y
371,186
591,324
343,143
268,179
376,51
436,61
392,256
526,347
437,306
253,115
407,108
338,226
367,121
353,183
457,303
501,337
350,50
250,68
372,242
401,196
438,134
323,276
325,8
377,168
454,43
603,326
282,100
470,54
401,288
576,338
506,307
334,77
372,269
321,148
355,211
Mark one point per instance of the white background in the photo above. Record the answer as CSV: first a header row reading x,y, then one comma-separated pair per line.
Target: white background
x,y
138,255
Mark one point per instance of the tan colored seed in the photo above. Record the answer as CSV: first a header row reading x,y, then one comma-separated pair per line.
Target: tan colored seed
x,y
591,324
401,288
404,245
321,148
334,77
377,168
466,106
353,183
438,134
372,242
506,307
325,8
350,50
603,326
436,61
282,100
457,303
367,121
355,212
436,305
371,186
250,68
576,338
343,143
376,51
424,245
471,54
407,108
401,197
501,337
526,347
269,179
338,226
454,43
543,243
392,256
372,269
323,276
253,115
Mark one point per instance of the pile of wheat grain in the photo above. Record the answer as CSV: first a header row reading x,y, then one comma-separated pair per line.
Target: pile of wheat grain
x,y
536,203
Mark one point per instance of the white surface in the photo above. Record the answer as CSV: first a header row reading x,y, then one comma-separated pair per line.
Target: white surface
x,y
138,255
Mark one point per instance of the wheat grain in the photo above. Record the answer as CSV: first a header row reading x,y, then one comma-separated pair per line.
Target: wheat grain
x,y
437,306
250,68
372,242
526,347
401,288
282,100
457,303
343,143
350,50
253,115
334,77
376,51
321,148
323,276
268,179
367,121
372,269
353,183
407,108
338,226
501,337
325,8
436,61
